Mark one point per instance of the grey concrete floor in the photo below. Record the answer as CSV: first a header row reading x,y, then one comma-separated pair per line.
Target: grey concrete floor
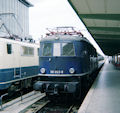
x,y
104,95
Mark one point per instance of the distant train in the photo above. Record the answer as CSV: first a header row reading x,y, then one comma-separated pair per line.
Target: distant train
x,y
18,63
66,63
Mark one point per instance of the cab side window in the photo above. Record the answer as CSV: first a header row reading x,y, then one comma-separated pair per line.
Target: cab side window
x,y
9,49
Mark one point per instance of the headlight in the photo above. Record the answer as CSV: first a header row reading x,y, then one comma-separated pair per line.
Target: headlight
x,y
42,70
72,70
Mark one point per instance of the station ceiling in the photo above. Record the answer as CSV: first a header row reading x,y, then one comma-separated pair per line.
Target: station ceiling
x,y
102,19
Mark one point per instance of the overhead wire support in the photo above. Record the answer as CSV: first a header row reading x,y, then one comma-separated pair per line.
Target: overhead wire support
x,y
14,16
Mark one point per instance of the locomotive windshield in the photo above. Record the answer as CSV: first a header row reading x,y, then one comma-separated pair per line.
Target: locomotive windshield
x,y
58,49
68,49
47,49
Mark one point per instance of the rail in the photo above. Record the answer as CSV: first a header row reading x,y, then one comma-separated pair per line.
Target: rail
x,y
70,109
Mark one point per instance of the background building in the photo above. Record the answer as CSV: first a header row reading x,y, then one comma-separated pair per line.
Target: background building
x,y
15,15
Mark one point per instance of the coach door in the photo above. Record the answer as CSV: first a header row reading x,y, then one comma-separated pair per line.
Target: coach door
x,y
17,72
16,60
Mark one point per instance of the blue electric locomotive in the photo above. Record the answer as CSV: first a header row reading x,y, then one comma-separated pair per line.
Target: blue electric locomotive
x,y
66,62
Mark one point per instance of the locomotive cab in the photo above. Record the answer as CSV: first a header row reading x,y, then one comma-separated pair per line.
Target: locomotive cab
x,y
58,56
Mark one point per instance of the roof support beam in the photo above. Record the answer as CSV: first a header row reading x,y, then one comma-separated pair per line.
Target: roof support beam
x,y
113,29
101,16
107,36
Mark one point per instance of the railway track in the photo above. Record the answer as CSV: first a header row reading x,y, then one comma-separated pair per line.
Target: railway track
x,y
46,106
50,108
20,103
35,107
57,108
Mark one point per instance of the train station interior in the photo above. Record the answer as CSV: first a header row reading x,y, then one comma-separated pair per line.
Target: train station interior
x,y
102,20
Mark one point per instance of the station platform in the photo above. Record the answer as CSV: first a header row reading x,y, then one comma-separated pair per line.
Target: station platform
x,y
104,95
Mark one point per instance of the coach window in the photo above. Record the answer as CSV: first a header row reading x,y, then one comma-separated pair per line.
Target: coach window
x,y
9,48
27,51
31,51
68,49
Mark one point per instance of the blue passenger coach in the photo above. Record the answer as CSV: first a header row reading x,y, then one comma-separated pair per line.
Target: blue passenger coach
x,y
66,60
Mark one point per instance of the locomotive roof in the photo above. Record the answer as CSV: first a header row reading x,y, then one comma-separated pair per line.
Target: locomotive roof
x,y
18,42
64,38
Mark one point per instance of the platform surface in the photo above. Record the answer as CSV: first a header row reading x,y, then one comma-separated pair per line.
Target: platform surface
x,y
104,95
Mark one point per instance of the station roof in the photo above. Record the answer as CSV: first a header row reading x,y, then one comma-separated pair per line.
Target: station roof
x,y
102,19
